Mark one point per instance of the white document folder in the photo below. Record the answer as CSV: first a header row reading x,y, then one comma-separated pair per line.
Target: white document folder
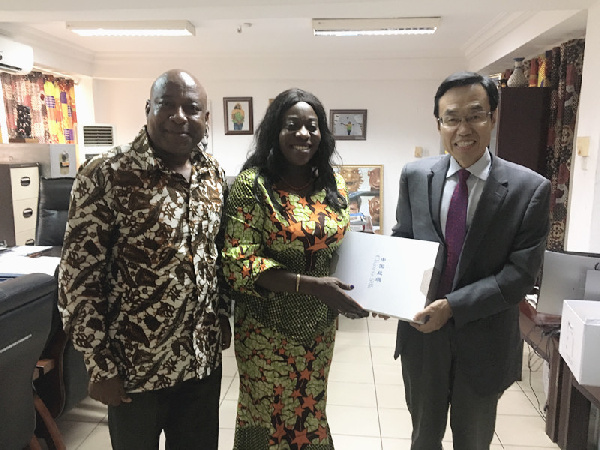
x,y
391,275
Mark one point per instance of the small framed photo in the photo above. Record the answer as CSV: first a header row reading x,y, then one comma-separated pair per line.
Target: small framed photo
x,y
349,124
238,115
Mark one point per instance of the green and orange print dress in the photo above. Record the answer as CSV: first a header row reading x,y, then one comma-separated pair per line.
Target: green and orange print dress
x,y
283,341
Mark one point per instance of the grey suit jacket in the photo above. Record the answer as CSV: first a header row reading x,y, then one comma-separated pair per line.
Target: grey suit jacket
x,y
501,257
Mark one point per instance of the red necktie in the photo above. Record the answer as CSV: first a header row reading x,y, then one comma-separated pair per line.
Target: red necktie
x,y
456,229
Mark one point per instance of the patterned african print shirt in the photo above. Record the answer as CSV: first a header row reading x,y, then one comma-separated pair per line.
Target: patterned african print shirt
x,y
301,239
138,288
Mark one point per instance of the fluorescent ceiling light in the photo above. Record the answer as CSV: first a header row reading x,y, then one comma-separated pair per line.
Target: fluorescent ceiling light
x,y
133,28
375,27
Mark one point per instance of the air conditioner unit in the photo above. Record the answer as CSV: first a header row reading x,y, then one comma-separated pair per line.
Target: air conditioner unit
x,y
97,138
15,58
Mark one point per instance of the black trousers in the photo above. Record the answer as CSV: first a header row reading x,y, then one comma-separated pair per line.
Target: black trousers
x,y
188,413
433,385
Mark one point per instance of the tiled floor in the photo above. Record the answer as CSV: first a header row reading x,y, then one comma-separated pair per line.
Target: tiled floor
x,y
366,406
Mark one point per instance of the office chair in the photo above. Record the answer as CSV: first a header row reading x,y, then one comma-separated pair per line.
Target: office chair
x,y
65,387
26,306
53,210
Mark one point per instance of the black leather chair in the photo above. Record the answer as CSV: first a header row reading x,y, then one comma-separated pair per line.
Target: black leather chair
x,y
53,210
67,386
26,307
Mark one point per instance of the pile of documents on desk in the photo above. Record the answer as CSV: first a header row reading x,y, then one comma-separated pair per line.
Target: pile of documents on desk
x,y
21,260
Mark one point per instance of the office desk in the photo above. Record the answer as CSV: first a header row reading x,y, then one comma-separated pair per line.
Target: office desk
x,y
540,332
574,409
537,329
569,403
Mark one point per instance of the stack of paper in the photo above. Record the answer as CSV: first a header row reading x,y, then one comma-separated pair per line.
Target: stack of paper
x,y
22,260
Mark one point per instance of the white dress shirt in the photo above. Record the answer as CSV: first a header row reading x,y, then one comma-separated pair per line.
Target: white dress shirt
x,y
480,171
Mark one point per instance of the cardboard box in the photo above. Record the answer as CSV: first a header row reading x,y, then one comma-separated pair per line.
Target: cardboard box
x,y
580,339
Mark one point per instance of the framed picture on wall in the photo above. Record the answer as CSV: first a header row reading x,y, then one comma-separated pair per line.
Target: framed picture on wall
x,y
365,196
349,124
238,115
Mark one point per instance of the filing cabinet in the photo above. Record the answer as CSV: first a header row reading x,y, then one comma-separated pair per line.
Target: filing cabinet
x,y
19,192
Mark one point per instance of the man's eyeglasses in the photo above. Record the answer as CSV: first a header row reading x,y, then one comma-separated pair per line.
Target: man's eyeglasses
x,y
476,118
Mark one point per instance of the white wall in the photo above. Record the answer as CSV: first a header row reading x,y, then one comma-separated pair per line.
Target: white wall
x,y
84,99
398,100
584,210
396,93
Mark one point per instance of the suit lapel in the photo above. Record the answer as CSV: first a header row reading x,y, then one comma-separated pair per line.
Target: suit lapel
x,y
436,179
492,197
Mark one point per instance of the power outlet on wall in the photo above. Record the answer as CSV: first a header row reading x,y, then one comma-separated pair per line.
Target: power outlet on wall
x,y
583,146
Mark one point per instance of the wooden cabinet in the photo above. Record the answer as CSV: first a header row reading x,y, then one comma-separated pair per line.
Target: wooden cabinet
x,y
522,128
19,191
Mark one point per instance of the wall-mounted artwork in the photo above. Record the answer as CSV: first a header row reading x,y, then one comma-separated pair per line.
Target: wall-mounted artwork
x,y
238,115
349,124
365,196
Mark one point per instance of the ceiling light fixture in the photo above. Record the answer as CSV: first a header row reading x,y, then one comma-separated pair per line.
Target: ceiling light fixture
x,y
133,28
375,27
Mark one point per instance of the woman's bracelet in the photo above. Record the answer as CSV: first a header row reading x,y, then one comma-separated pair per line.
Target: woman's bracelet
x,y
297,282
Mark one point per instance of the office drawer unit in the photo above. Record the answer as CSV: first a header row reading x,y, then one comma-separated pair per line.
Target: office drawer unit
x,y
19,192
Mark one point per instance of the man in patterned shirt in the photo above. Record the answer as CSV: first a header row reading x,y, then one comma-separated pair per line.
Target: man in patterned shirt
x,y
139,294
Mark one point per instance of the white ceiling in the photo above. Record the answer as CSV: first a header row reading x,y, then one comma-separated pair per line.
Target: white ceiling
x,y
283,27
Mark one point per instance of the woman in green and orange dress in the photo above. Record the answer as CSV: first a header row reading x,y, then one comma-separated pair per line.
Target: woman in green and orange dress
x,y
287,213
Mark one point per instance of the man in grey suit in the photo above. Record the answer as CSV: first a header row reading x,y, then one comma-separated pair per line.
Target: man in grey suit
x,y
467,349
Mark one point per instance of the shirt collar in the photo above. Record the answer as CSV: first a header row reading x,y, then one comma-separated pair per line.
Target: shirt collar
x,y
481,168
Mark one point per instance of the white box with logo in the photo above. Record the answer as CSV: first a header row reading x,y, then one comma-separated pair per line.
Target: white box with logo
x,y
580,339
391,275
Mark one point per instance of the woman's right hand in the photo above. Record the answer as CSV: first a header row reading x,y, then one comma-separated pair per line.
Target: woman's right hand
x,y
332,292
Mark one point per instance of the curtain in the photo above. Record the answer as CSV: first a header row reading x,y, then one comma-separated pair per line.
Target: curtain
x,y
40,106
563,74
23,101
60,104
2,116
